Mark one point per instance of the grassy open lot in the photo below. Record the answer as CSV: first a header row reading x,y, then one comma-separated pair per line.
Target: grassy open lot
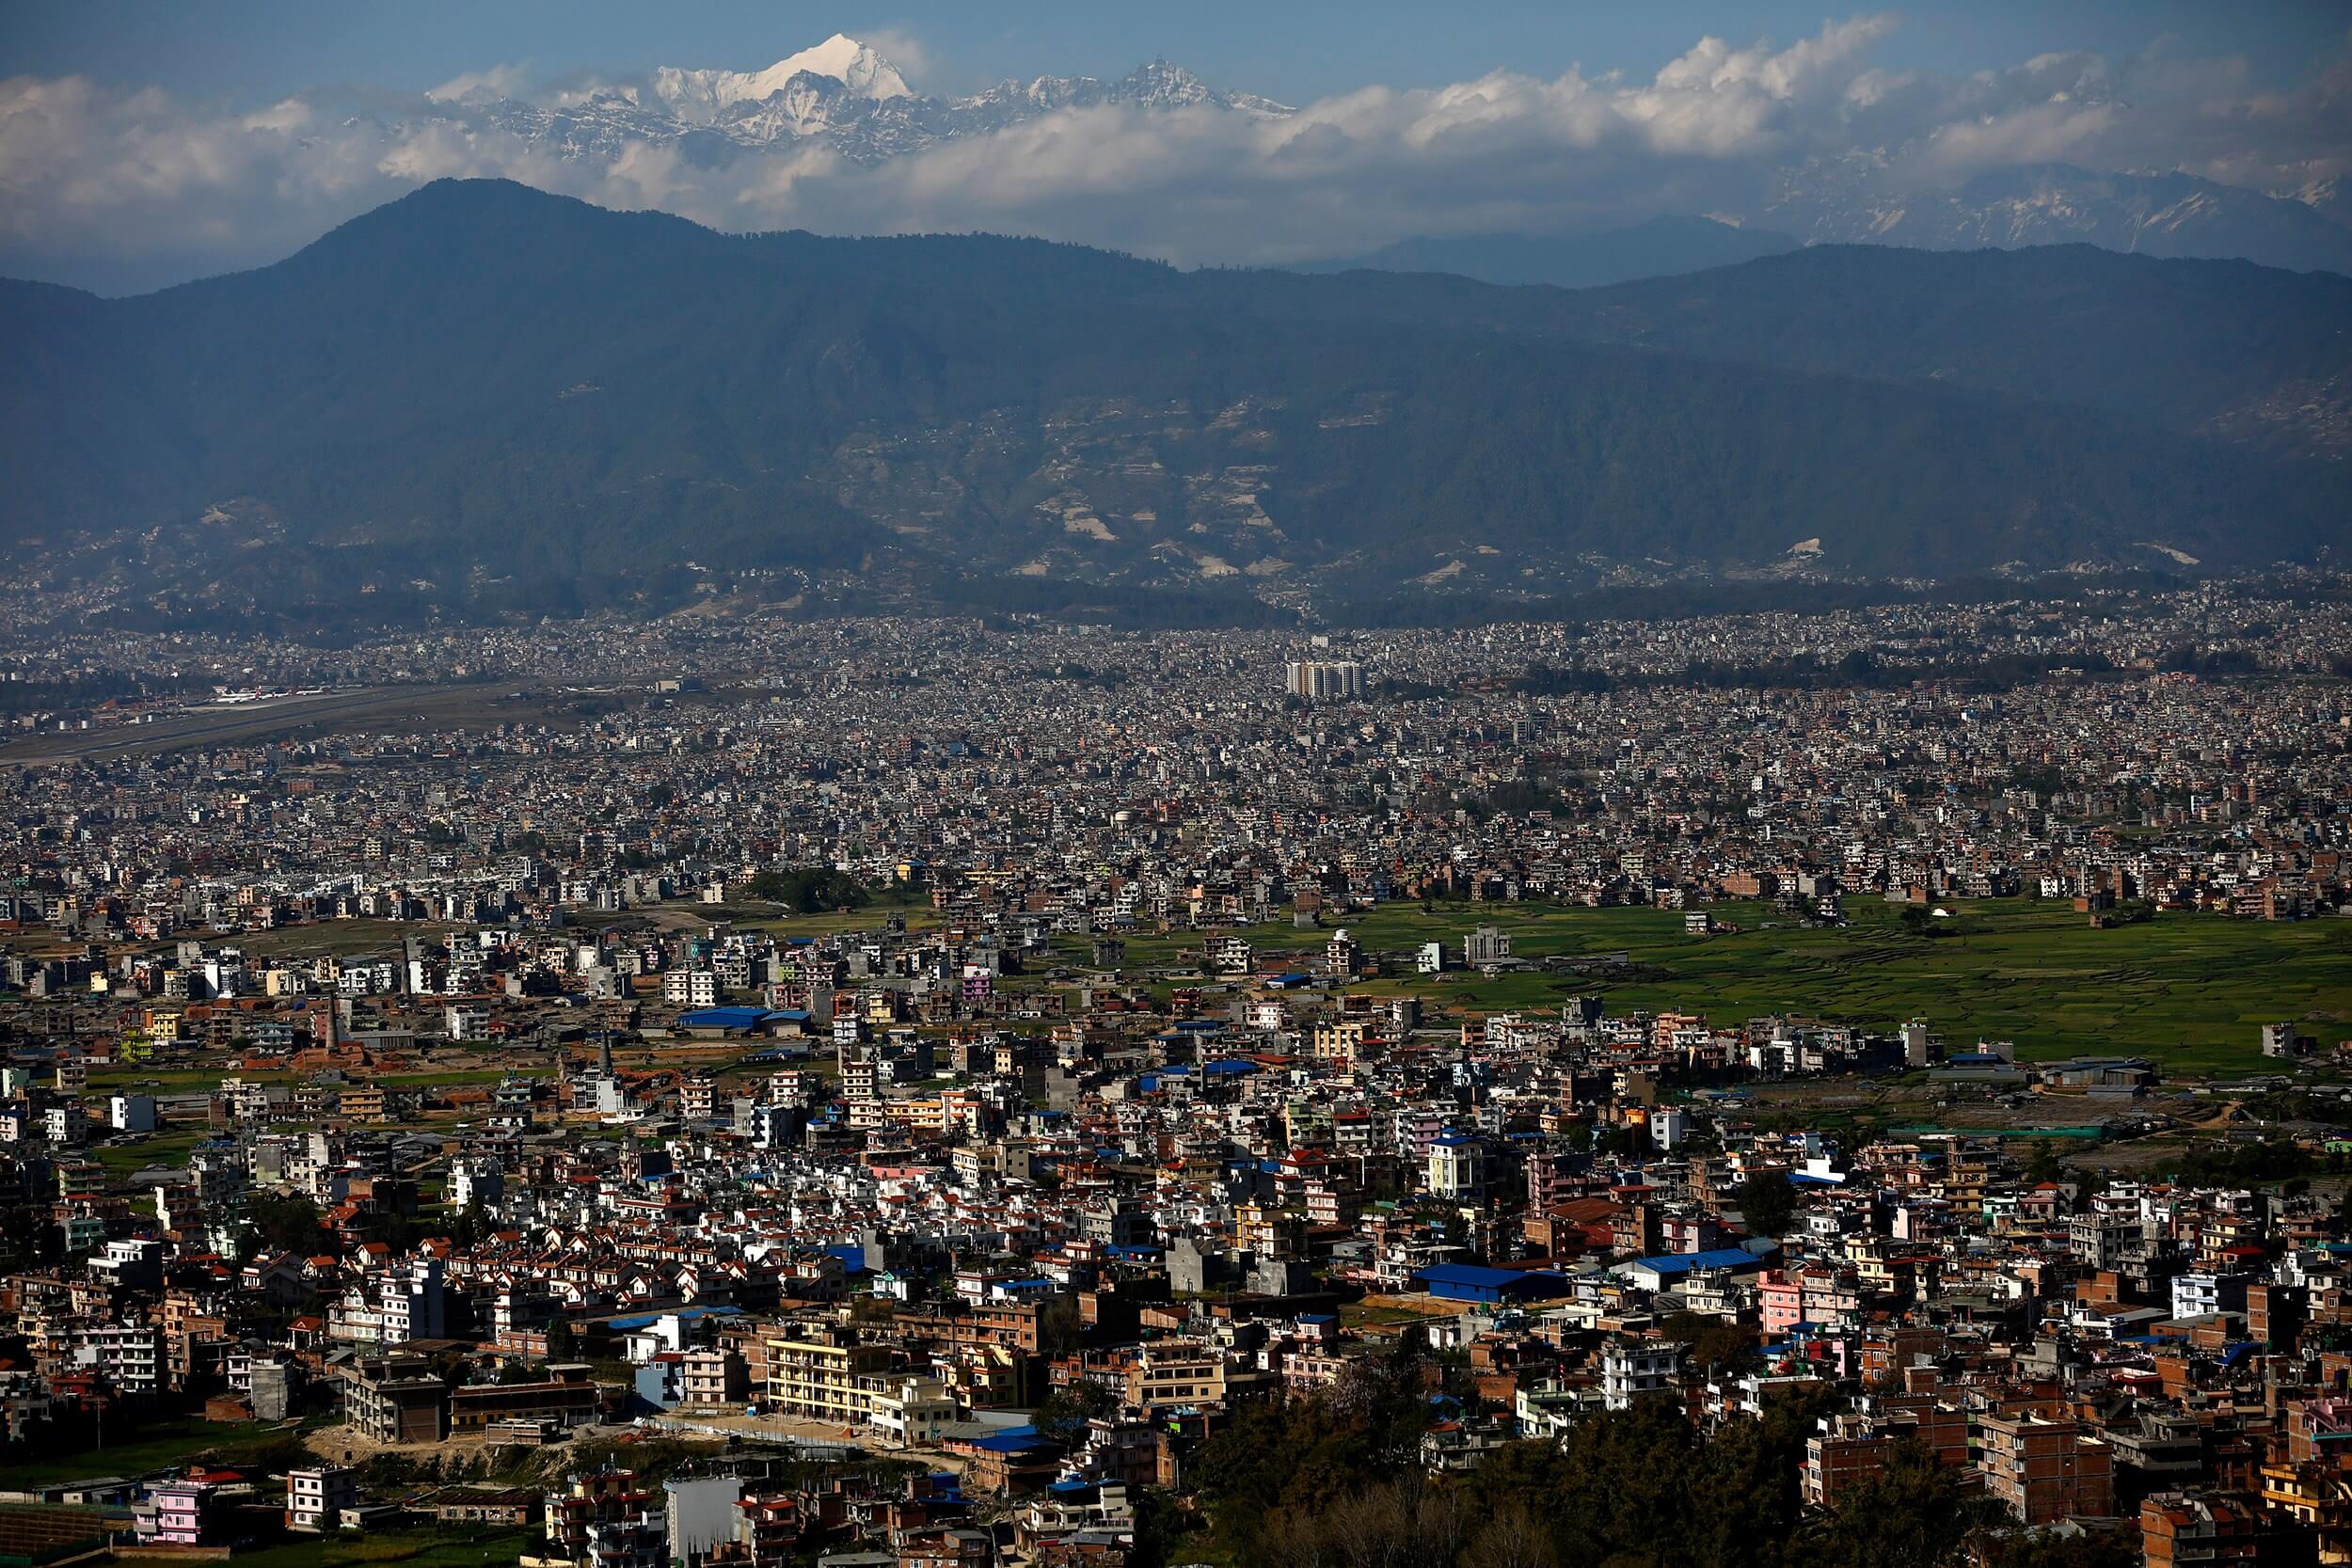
x,y
449,1546
168,1444
451,1077
2188,990
919,917
139,1076
177,1079
341,938
169,1146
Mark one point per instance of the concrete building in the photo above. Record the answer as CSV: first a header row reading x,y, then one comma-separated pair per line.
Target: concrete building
x,y
2044,1470
1317,680
1629,1370
316,1498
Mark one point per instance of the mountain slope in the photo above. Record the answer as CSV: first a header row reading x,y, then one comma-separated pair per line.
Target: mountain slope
x,y
1661,248
482,399
2218,347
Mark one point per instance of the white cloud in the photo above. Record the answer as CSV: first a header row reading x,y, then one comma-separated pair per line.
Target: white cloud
x,y
904,50
499,80
85,172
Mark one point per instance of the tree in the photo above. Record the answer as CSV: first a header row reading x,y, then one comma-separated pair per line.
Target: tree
x,y
2006,1548
1911,1513
561,1344
1066,1411
286,1221
811,889
1058,1329
1713,1342
1767,1201
31,1235
1512,1537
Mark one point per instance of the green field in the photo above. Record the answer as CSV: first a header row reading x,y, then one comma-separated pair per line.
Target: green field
x,y
341,938
171,1080
452,1077
919,917
162,1445
168,1147
177,1079
2188,990
451,1546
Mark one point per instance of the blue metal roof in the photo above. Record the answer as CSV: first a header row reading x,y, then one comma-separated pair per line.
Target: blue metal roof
x,y
1466,1273
1683,1263
725,1018
685,1314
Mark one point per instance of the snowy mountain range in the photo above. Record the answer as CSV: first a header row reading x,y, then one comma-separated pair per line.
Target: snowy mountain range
x,y
842,94
1847,201
845,96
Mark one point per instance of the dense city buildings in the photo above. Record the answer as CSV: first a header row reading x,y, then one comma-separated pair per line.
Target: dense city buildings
x,y
1317,680
761,1091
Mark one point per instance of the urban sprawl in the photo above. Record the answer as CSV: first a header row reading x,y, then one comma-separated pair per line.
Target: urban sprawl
x,y
896,1094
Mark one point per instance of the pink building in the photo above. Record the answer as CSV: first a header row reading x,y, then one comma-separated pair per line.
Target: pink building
x,y
182,1516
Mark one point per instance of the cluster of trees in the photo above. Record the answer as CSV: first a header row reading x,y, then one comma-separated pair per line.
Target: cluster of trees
x,y
2251,1165
1110,677
812,889
1517,796
286,1222
1336,1480
2188,659
1767,1202
1919,920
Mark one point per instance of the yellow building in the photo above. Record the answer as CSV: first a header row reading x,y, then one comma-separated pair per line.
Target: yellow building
x,y
824,1380
1330,1041
1173,1374
363,1102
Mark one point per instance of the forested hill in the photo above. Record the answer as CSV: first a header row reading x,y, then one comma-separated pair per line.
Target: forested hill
x,y
482,399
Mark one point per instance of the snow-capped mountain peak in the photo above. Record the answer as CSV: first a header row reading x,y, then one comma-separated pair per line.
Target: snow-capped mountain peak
x,y
703,95
841,95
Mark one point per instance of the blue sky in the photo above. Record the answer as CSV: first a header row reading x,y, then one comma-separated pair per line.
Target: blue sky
x,y
1294,51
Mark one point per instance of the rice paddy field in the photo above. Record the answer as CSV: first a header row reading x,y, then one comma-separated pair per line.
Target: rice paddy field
x,y
2190,992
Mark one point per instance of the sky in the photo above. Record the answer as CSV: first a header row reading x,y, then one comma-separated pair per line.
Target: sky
x,y
140,143
1294,51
